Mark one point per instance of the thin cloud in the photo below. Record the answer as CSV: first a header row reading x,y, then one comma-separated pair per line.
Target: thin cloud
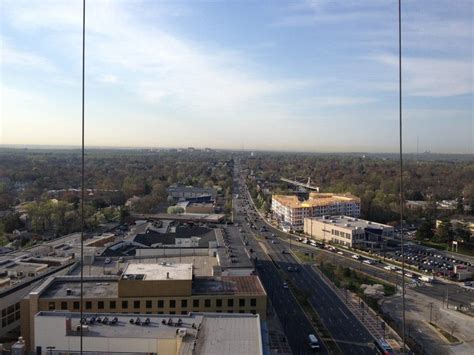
x,y
433,77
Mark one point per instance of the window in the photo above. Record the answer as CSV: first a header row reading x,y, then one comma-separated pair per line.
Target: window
x,y
241,302
88,305
207,303
241,311
63,305
17,306
172,312
230,302
184,312
51,306
160,304
195,303
112,304
148,304
100,305
218,303
253,302
184,303
124,304
172,303
136,304
76,305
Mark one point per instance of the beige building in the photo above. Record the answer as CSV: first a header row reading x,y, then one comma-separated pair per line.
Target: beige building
x,y
348,231
191,334
145,289
291,212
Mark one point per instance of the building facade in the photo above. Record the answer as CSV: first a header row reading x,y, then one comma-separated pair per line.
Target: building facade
x,y
291,212
348,231
146,289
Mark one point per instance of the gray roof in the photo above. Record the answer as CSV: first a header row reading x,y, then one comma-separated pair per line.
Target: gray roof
x,y
351,222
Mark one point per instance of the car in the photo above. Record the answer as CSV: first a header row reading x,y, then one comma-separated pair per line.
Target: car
x,y
284,252
289,268
340,253
355,256
108,261
285,285
274,241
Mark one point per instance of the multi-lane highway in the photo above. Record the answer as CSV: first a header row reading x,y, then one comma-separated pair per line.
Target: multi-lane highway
x,y
295,324
273,261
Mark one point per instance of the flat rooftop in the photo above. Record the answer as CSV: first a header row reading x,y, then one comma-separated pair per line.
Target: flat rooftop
x,y
350,222
153,272
231,250
205,333
315,199
93,288
228,285
107,286
202,264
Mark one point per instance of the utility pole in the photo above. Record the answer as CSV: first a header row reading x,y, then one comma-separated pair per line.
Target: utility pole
x,y
447,296
431,312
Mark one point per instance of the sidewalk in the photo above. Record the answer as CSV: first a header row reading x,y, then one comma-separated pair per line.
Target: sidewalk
x,y
277,342
368,317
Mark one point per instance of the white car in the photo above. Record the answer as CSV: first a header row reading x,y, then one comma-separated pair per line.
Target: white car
x,y
285,285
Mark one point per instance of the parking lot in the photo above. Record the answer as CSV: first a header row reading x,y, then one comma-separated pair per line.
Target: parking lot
x,y
428,260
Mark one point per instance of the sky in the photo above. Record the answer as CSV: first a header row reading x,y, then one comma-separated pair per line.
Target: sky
x,y
309,75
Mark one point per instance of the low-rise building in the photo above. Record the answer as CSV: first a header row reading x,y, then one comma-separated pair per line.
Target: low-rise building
x,y
348,231
185,192
145,289
190,334
289,210
197,207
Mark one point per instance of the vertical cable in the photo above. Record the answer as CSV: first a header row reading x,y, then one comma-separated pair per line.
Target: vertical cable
x,y
82,167
402,240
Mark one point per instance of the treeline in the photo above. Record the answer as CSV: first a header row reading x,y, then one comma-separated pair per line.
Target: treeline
x,y
374,180
28,176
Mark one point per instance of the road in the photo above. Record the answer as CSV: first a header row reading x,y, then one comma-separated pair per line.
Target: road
x,y
349,333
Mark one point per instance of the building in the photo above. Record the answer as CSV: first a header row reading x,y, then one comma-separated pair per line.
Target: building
x,y
197,207
145,289
20,272
190,334
348,231
291,212
179,192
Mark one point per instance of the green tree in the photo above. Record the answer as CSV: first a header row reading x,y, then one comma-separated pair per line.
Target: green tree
x,y
425,230
12,222
462,232
175,210
444,232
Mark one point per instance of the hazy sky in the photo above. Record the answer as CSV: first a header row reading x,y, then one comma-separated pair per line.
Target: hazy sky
x,y
301,75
